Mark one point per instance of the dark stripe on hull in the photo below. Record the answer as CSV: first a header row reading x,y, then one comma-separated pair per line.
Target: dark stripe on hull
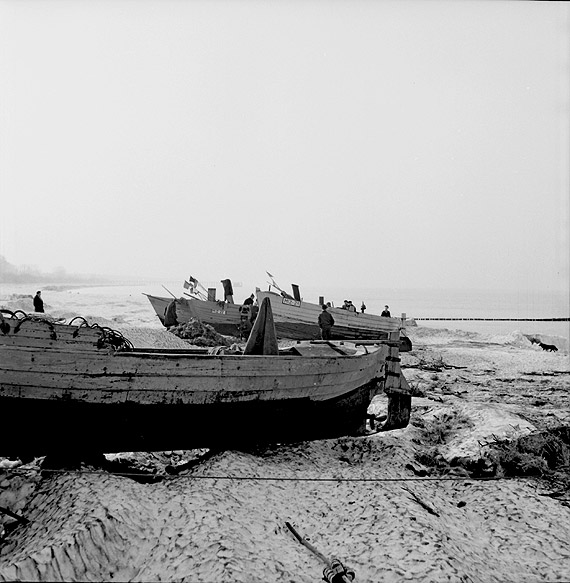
x,y
35,428
298,331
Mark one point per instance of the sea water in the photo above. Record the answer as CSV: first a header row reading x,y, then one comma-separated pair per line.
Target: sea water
x,y
126,304
490,304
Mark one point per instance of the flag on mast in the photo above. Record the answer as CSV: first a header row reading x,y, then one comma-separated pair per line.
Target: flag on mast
x,y
191,283
274,284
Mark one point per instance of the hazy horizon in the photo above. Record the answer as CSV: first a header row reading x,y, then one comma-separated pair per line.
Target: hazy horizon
x,y
387,144
160,284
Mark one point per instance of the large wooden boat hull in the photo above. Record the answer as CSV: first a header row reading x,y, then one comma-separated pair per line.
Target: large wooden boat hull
x,y
66,388
223,317
295,320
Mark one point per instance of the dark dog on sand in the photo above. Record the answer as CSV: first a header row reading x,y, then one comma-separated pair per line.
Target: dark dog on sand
x,y
549,347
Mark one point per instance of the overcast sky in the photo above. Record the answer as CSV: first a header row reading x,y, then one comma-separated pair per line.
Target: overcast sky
x,y
390,144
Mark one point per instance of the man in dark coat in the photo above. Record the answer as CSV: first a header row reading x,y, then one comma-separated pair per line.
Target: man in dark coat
x,y
38,302
170,318
386,312
326,322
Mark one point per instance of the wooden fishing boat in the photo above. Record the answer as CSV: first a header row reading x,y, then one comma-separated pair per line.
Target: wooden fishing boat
x,y
224,317
76,389
295,319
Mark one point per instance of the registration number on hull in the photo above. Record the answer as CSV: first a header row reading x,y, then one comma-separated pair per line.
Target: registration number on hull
x,y
291,302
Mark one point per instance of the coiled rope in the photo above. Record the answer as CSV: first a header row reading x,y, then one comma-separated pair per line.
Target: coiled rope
x,y
33,318
108,336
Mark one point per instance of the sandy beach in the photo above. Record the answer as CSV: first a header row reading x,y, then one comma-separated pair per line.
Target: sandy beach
x,y
424,503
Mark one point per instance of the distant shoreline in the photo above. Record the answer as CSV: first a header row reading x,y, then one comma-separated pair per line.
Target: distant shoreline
x,y
76,281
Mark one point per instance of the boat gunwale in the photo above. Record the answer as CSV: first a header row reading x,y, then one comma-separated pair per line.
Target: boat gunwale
x,y
179,353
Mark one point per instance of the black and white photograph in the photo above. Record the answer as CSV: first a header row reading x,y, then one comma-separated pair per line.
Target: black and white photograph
x,y
285,291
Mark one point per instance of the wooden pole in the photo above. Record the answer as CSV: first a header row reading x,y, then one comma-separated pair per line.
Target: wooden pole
x,y
307,544
316,552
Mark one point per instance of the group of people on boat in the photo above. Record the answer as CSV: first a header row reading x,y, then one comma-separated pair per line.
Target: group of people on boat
x,y
348,305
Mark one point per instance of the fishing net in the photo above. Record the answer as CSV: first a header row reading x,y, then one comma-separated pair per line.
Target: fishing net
x,y
199,334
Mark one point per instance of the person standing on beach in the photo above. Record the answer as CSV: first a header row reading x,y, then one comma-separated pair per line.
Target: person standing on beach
x,y
38,302
386,312
326,322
